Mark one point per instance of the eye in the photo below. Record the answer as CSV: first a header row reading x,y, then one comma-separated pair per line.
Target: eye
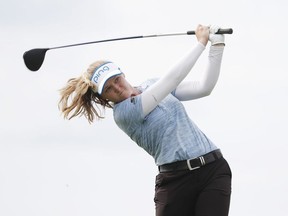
x,y
117,79
107,89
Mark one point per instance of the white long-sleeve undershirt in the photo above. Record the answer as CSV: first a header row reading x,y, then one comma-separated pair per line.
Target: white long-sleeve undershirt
x,y
185,90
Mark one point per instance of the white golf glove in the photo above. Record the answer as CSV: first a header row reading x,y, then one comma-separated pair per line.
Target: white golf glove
x,y
216,38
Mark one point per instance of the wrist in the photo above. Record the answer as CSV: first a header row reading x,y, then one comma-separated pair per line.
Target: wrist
x,y
201,45
203,42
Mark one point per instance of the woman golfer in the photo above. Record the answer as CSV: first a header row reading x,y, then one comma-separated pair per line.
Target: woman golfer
x,y
194,179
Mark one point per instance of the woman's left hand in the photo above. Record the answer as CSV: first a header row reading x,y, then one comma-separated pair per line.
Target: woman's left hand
x,y
202,34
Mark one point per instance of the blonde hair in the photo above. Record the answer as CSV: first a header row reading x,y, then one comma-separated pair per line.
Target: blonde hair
x,y
79,97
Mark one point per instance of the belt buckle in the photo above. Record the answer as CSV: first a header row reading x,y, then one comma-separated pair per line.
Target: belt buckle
x,y
202,160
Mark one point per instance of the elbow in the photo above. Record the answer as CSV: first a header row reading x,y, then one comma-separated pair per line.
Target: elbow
x,y
206,93
206,90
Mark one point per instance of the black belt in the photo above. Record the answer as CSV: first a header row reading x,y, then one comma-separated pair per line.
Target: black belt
x,y
192,163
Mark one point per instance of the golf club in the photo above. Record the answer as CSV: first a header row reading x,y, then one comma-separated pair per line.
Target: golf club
x,y
34,58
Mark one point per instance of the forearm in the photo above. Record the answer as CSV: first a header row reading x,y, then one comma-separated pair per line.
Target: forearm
x,y
189,90
169,82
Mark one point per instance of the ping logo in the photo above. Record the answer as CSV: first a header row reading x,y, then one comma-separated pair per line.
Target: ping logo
x,y
99,72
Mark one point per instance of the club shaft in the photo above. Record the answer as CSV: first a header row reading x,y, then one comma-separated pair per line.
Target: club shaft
x,y
100,41
221,31
117,39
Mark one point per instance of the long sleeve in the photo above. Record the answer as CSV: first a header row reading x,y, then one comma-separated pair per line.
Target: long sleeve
x,y
193,89
169,82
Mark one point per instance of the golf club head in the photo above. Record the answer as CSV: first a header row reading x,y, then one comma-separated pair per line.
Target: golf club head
x,y
34,58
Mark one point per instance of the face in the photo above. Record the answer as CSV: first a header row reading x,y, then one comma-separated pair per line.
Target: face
x,y
117,89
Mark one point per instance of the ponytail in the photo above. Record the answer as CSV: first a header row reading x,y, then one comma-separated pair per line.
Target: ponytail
x,y
79,97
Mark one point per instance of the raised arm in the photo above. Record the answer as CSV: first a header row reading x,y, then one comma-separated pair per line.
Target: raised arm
x,y
169,82
193,89
189,90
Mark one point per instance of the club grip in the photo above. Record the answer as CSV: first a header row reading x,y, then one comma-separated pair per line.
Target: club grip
x,y
220,31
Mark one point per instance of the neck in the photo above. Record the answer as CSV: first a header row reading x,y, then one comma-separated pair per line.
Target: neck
x,y
135,92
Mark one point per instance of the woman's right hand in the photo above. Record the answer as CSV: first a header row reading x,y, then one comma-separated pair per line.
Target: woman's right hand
x,y
202,34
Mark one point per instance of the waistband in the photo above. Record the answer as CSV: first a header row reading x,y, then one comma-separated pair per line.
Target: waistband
x,y
191,164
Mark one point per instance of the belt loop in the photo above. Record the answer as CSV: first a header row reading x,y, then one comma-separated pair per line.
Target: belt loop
x,y
202,160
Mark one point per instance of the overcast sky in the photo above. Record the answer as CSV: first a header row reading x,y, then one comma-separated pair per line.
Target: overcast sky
x,y
50,166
